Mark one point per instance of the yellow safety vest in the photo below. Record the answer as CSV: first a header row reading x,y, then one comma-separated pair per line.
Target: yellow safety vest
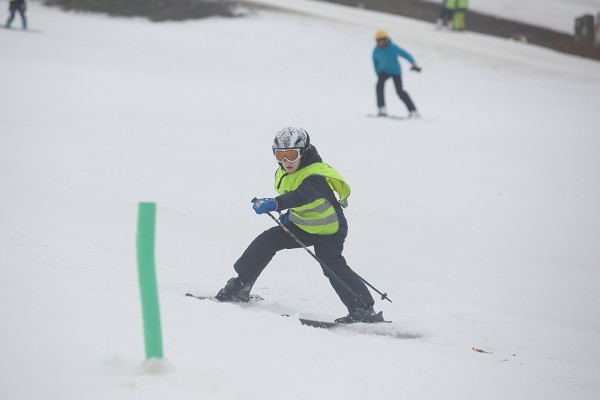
x,y
318,217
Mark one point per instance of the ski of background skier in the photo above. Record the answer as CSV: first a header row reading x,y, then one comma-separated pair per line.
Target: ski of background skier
x,y
29,30
390,116
396,117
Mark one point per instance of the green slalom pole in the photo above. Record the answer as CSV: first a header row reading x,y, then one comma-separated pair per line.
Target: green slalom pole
x,y
147,279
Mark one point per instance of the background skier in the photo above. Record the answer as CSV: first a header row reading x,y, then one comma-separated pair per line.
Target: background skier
x,y
446,14
306,188
385,61
460,14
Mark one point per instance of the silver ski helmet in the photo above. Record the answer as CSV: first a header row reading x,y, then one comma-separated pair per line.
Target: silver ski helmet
x,y
291,138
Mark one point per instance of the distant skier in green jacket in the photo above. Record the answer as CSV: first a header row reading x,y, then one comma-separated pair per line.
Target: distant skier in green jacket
x,y
14,6
460,12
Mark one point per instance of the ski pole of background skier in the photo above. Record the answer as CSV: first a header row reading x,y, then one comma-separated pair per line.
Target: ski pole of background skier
x,y
384,296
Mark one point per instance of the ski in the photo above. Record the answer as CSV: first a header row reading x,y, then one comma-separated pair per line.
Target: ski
x,y
319,324
253,298
201,297
396,117
28,30
383,328
327,325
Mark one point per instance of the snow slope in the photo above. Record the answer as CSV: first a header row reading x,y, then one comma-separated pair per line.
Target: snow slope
x,y
481,220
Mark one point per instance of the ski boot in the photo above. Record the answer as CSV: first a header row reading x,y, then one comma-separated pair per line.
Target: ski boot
x,y
235,290
382,112
361,314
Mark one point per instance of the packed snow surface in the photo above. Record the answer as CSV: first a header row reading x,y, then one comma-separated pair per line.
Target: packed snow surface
x,y
480,220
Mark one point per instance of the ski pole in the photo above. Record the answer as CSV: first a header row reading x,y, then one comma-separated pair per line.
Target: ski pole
x,y
384,296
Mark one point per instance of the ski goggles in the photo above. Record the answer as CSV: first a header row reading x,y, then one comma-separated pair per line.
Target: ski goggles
x,y
290,155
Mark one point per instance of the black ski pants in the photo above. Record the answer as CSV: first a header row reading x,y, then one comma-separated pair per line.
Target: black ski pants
x,y
327,247
15,6
383,76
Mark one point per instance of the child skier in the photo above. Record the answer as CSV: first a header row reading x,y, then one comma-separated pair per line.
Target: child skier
x,y
385,61
306,188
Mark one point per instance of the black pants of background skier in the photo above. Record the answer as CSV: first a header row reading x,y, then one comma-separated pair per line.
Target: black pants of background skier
x,y
401,93
327,247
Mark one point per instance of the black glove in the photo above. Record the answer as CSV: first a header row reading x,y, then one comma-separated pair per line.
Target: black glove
x,y
415,67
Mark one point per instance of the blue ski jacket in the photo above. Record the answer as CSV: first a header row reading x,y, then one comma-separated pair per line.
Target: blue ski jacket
x,y
386,59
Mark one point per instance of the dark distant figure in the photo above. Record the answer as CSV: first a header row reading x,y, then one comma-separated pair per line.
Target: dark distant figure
x,y
446,14
14,6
